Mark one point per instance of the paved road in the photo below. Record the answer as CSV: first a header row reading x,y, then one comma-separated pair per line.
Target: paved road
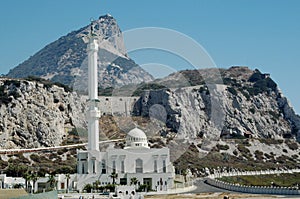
x,y
202,187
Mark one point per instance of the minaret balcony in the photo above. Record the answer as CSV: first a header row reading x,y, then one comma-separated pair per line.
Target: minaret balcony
x,y
94,113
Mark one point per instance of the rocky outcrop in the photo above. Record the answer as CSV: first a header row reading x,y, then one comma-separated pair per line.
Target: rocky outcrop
x,y
40,114
34,114
247,105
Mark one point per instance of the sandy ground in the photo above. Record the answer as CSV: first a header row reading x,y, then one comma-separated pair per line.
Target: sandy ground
x,y
216,196
12,193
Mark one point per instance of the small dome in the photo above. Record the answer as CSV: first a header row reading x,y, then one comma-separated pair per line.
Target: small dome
x,y
137,133
136,138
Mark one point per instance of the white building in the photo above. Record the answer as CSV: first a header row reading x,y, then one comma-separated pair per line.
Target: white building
x,y
137,160
150,167
9,182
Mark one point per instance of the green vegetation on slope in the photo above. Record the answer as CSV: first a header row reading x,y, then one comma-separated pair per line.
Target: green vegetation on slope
x,y
281,180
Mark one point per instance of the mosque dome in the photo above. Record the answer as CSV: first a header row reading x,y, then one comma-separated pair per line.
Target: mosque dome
x,y
136,138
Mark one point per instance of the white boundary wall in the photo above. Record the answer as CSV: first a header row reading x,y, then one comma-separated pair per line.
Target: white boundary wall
x,y
253,189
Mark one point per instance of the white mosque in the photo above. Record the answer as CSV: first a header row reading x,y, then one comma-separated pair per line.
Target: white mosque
x,y
137,160
148,166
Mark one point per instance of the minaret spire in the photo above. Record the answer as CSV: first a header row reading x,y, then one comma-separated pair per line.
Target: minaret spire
x,y
93,110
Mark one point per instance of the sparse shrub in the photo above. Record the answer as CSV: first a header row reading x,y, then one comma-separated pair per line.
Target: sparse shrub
x,y
295,156
105,91
243,91
262,83
61,108
88,188
237,136
65,169
15,83
249,120
232,91
15,169
243,149
252,110
204,89
14,93
259,155
283,159
256,76
292,145
269,156
34,157
144,187
147,86
235,152
275,115
110,187
4,96
48,84
73,132
17,186
246,143
270,141
222,147
284,150
53,155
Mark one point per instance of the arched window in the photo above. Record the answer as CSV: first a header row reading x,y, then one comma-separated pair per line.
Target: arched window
x,y
93,166
82,168
164,166
114,166
155,166
139,166
103,167
122,167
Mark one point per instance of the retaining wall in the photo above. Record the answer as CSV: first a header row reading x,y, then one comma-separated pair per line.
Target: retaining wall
x,y
253,189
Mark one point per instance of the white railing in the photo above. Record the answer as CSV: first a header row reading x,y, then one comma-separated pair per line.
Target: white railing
x,y
251,173
253,189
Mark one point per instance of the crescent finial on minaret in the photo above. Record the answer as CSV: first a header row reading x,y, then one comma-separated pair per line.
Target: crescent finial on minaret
x,y
92,33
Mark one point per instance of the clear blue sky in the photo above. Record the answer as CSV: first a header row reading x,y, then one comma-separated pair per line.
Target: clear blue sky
x,y
262,34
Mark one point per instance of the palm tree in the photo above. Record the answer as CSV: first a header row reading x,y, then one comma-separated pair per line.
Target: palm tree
x,y
134,181
26,176
68,178
51,181
34,178
97,183
226,158
184,172
114,176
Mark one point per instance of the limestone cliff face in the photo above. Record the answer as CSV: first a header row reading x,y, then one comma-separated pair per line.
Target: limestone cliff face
x,y
65,60
239,107
35,114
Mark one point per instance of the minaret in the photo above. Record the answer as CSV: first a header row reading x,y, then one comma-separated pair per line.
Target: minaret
x,y
93,111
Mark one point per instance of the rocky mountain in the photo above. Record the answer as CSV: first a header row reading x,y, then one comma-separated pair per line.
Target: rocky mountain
x,y
65,60
222,118
245,104
35,113
243,121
